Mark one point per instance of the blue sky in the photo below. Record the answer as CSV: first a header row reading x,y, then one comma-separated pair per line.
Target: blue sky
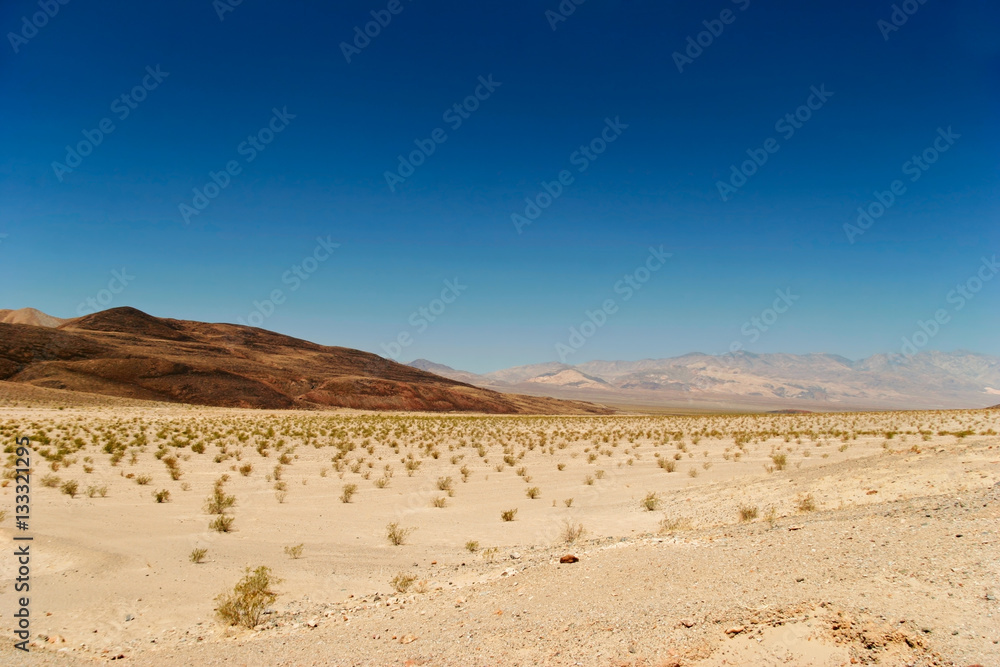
x,y
553,91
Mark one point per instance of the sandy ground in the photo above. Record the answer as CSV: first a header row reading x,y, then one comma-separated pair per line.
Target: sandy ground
x,y
776,539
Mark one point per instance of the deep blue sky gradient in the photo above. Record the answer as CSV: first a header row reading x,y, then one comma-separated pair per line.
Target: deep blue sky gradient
x,y
323,175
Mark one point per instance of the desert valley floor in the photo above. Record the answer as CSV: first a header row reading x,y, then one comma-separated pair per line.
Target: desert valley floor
x,y
815,539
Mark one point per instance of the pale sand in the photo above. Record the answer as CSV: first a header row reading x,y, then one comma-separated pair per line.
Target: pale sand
x,y
875,572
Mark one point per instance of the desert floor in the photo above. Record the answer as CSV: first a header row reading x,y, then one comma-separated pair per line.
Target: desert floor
x,y
826,539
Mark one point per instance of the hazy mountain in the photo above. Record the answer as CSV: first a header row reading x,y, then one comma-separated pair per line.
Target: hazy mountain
x,y
744,380
126,353
29,316
445,371
570,378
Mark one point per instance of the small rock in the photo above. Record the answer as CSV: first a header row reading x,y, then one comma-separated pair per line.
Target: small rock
x,y
569,558
735,630
515,556
687,622
129,617
407,639
312,622
795,527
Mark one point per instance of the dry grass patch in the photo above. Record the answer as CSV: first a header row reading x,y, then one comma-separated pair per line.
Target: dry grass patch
x,y
246,603
397,535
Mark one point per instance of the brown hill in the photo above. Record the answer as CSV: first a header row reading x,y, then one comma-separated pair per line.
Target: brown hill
x,y
125,352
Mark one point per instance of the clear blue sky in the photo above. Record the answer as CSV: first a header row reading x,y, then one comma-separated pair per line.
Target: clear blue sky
x,y
323,175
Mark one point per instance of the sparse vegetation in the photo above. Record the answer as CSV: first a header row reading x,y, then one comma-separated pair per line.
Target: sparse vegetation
x,y
651,502
401,582
673,524
162,496
508,515
246,603
397,535
198,555
347,492
294,552
219,502
806,503
572,532
222,523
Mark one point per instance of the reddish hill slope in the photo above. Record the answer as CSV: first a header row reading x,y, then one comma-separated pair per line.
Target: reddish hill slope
x,y
125,352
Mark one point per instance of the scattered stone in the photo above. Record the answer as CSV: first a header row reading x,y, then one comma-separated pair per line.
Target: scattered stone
x,y
735,630
569,558
129,617
515,556
407,639
687,622
799,527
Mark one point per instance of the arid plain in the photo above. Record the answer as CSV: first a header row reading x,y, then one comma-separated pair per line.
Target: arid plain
x,y
809,539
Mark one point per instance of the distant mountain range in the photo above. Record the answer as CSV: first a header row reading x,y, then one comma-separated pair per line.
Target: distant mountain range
x,y
124,352
926,380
